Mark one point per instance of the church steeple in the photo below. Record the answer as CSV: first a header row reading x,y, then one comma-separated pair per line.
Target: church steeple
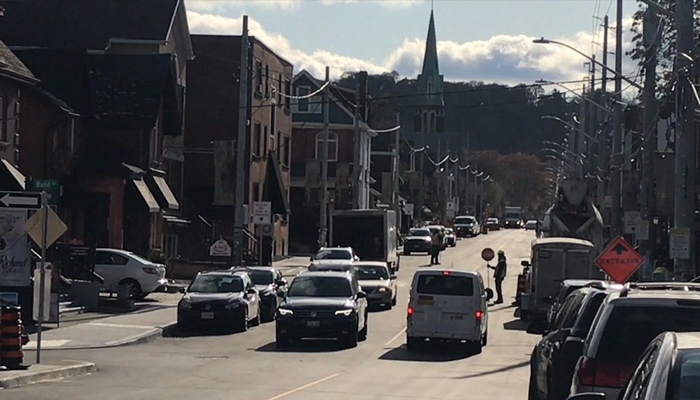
x,y
430,59
429,107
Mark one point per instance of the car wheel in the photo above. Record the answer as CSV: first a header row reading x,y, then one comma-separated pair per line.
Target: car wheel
x,y
476,346
532,393
411,343
271,312
134,289
241,325
282,340
393,301
362,335
485,338
406,253
352,339
256,320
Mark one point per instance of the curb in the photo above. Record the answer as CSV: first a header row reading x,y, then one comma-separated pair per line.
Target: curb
x,y
58,373
141,338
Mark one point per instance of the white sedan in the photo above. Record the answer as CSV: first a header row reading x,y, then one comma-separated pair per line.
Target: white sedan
x,y
122,267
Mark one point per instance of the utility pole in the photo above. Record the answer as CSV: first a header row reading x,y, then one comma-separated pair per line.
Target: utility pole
x,y
360,167
602,140
397,165
592,122
617,158
648,182
356,169
322,239
239,215
684,199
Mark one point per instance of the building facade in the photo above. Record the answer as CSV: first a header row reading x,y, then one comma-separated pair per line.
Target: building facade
x,y
210,149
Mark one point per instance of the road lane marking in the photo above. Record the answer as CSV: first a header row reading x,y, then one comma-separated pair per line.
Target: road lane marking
x,y
395,337
104,324
300,388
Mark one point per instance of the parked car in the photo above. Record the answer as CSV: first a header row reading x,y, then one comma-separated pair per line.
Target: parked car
x,y
447,305
450,237
625,325
466,226
554,358
379,284
435,229
220,298
493,224
531,225
334,256
418,240
271,286
567,287
122,267
323,305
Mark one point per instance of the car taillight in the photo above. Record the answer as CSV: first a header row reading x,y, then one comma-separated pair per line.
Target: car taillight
x,y
409,311
150,270
479,315
603,374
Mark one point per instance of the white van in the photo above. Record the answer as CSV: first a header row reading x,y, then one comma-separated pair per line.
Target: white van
x,y
447,305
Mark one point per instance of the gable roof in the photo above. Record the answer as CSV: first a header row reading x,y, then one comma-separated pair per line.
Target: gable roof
x,y
342,97
85,24
14,68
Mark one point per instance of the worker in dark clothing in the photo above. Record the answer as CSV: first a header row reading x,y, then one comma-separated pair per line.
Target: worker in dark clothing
x,y
436,246
499,275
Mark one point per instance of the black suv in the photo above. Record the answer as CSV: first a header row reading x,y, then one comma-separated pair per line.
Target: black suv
x,y
554,358
323,305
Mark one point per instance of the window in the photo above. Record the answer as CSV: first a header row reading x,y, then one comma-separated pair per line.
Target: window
x,y
287,153
155,145
446,285
267,81
430,87
424,122
332,146
303,104
433,123
257,139
317,286
287,92
105,258
3,117
265,140
258,76
273,142
256,192
154,230
170,246
279,90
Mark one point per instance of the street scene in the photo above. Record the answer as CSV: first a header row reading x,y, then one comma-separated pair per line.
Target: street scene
x,y
380,199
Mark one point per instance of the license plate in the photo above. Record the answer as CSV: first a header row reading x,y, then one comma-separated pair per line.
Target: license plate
x,y
455,316
313,324
207,315
425,302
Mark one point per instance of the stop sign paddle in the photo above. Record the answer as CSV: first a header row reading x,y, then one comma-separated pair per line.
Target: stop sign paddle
x,y
487,254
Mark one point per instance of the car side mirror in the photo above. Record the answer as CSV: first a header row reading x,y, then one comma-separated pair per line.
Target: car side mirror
x,y
587,396
356,258
361,295
281,292
549,300
537,328
393,277
281,282
311,258
489,294
573,348
251,291
525,263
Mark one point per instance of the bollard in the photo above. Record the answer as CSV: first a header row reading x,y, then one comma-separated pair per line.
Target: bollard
x,y
11,355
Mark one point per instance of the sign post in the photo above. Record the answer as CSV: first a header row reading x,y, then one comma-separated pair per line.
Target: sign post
x,y
487,255
619,260
262,215
42,271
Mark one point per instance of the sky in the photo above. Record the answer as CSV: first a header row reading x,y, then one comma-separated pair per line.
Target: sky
x,y
478,40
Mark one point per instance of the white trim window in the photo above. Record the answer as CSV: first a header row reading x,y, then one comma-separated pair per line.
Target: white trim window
x,y
303,104
332,146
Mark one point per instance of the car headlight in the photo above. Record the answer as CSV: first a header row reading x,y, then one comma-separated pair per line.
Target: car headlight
x,y
231,306
284,311
427,239
345,313
184,305
382,289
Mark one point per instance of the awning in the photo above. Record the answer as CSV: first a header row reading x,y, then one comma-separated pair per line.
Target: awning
x,y
171,219
274,186
10,177
168,198
147,195
375,192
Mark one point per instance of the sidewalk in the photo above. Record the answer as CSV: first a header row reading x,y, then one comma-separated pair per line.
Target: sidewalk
x,y
136,327
43,372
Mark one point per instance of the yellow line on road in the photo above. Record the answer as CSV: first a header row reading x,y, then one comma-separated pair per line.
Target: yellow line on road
x,y
395,337
300,388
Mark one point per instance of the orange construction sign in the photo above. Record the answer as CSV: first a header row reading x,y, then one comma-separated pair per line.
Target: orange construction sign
x,y
619,260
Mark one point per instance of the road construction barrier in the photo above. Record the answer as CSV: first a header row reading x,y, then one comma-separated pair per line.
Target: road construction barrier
x,y
11,355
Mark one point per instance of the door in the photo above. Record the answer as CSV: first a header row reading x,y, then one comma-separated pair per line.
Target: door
x,y
111,267
446,304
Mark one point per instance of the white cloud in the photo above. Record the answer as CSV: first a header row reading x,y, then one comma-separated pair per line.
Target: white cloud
x,y
383,3
503,59
217,5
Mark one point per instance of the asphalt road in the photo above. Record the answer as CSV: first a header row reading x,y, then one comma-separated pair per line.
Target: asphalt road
x,y
247,366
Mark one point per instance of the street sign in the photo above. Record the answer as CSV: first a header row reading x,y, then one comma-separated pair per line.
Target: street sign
x,y
220,248
262,213
408,209
20,199
679,246
619,260
267,230
632,220
488,254
51,186
35,227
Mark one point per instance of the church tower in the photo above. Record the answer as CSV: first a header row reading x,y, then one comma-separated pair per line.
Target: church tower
x,y
429,111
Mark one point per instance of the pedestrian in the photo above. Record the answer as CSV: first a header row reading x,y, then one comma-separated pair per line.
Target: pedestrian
x,y
499,275
435,247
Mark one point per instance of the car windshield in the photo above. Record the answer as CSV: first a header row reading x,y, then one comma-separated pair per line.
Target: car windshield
x,y
371,273
631,328
464,220
513,215
419,232
449,231
445,285
333,254
689,371
320,286
261,277
492,220
216,284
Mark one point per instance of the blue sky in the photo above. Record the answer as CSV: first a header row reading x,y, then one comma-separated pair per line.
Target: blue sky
x,y
478,40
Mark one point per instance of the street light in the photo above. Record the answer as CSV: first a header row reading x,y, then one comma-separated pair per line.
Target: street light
x,y
565,149
570,126
545,82
591,59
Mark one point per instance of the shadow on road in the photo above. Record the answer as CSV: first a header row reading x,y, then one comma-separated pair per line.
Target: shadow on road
x,y
430,352
303,346
521,364
515,325
175,332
